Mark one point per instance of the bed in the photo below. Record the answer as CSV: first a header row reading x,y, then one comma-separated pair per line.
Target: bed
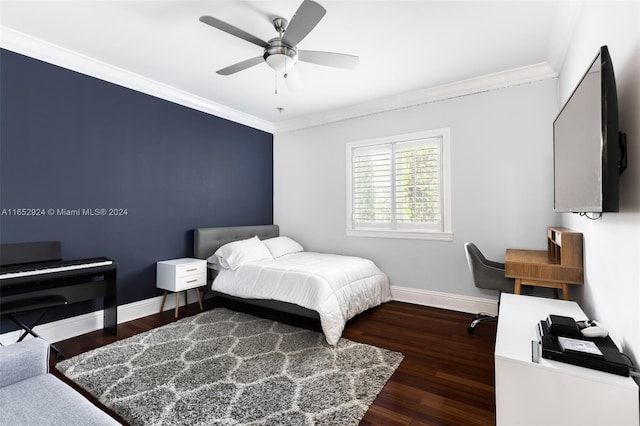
x,y
256,265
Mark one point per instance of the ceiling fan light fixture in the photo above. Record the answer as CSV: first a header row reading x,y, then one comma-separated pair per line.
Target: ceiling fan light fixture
x,y
280,63
280,58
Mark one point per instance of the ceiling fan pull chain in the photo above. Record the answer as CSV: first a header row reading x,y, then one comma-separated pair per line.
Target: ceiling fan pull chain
x,y
285,75
276,81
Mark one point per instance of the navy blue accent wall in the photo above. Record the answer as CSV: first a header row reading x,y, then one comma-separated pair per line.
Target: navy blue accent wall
x,y
73,142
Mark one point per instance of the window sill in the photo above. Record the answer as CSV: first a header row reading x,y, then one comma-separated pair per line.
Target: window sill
x,y
408,235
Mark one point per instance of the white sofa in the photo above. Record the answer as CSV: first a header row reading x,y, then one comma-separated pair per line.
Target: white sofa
x,y
30,395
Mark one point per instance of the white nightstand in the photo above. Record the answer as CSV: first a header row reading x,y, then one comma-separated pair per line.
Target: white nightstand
x,y
181,275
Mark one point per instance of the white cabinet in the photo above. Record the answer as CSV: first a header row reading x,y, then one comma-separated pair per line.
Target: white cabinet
x,y
552,392
178,275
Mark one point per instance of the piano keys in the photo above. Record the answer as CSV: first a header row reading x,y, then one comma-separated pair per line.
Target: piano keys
x,y
29,270
32,271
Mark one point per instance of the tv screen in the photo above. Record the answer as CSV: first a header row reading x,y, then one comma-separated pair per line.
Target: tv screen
x,y
585,143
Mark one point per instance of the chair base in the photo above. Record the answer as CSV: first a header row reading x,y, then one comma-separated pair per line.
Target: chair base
x,y
480,317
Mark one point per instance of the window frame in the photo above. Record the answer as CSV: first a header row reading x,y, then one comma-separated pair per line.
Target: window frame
x,y
445,233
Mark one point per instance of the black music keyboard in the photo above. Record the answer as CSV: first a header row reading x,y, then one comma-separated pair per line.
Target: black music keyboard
x,y
12,274
32,271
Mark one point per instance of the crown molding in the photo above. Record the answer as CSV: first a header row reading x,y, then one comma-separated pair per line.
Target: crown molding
x,y
39,49
48,52
499,80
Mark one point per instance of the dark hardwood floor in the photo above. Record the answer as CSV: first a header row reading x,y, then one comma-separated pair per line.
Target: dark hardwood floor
x,y
446,377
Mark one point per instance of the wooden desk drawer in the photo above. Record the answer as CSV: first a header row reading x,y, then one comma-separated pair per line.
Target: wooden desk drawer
x,y
535,265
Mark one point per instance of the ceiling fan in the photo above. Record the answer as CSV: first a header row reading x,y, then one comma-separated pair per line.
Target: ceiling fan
x,y
281,53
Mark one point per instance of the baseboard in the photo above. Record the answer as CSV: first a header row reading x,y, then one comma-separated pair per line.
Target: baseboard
x,y
453,302
71,327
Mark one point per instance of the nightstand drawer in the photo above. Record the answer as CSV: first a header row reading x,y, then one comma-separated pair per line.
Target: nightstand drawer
x,y
190,281
191,269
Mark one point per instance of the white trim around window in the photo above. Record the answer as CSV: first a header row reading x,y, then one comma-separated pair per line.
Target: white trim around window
x,y
376,167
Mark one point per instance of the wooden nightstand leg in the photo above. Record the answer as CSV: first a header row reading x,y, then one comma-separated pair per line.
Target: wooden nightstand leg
x,y
163,299
177,302
199,298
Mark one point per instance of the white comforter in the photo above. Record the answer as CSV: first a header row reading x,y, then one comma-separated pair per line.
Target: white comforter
x,y
337,287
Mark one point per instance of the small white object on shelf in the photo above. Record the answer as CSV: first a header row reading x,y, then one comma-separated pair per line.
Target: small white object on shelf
x,y
178,275
594,331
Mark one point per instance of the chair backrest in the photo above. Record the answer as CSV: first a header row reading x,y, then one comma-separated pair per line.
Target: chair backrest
x,y
486,274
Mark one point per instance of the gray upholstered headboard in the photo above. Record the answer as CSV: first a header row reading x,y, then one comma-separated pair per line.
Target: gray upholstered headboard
x,y
207,240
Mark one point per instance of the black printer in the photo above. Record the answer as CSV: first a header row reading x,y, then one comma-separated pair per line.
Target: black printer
x,y
606,357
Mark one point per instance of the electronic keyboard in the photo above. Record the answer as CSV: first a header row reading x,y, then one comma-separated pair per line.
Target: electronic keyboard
x,y
49,268
31,272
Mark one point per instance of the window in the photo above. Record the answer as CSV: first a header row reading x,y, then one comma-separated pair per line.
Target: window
x,y
399,186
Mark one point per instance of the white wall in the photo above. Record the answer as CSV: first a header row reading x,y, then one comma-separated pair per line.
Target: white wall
x,y
501,143
611,292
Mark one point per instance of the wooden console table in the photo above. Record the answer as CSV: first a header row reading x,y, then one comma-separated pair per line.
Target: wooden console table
x,y
557,267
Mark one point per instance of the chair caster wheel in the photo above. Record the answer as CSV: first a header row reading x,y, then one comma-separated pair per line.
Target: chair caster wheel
x,y
470,330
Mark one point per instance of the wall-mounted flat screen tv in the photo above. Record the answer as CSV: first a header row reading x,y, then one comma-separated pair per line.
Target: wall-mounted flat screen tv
x,y
587,146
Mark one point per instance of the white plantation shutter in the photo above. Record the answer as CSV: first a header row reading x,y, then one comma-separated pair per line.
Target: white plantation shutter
x,y
417,184
372,172
397,184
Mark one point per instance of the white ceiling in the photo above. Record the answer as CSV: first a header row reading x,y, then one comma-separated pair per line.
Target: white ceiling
x,y
405,49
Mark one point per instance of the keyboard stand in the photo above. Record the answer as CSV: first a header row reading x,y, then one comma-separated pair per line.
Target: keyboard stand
x,y
44,303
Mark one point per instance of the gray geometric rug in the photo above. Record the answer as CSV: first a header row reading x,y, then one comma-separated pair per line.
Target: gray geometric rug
x,y
222,367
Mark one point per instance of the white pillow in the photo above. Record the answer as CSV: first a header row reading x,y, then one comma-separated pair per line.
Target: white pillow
x,y
279,246
237,253
213,262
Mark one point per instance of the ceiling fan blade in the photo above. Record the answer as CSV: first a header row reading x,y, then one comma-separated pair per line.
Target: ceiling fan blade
x,y
293,80
304,20
230,29
231,69
329,59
